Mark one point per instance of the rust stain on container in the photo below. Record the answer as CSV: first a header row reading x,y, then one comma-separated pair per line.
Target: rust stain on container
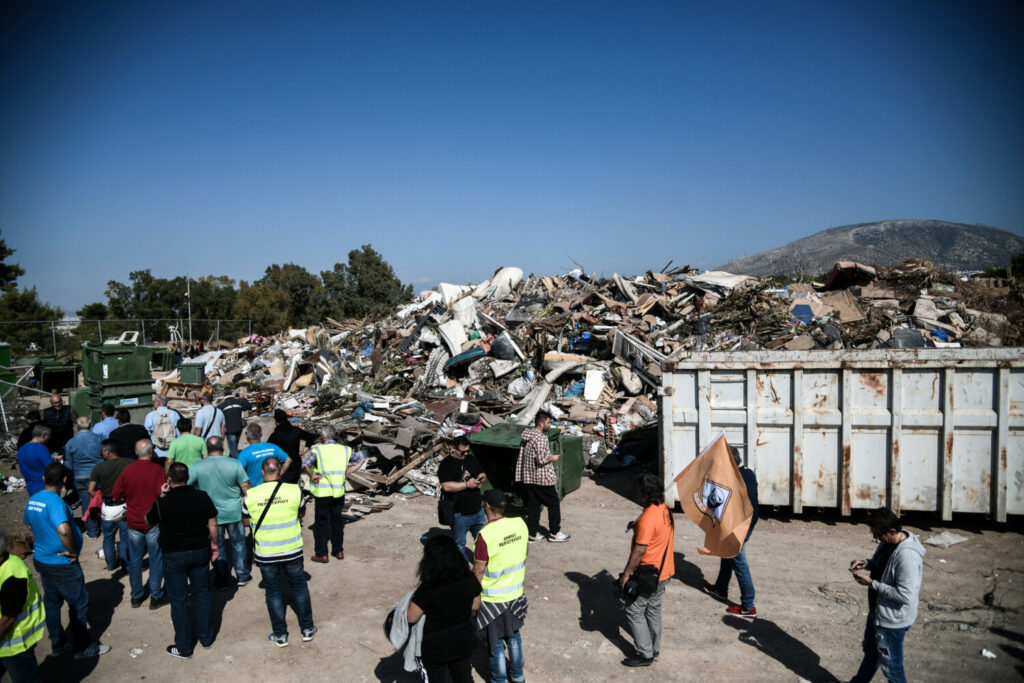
x,y
949,447
845,470
875,381
864,493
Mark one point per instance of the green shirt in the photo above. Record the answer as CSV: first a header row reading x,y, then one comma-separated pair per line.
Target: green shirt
x,y
187,449
219,476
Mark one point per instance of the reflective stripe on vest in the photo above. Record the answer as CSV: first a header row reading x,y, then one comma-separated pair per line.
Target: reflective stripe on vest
x,y
281,531
331,462
29,624
506,540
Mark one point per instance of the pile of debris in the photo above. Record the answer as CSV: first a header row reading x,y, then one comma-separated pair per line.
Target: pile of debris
x,y
461,358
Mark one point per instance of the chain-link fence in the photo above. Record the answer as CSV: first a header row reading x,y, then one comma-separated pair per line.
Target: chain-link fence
x,y
65,337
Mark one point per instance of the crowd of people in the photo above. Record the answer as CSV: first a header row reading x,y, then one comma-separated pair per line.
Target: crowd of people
x,y
184,494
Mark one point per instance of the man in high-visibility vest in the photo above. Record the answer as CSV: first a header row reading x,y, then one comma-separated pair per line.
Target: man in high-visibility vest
x,y
22,617
500,567
327,465
274,509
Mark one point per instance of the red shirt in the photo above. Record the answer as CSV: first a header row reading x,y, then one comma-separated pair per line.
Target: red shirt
x,y
139,485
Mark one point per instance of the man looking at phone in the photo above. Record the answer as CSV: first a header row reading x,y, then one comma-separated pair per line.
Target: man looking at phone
x,y
893,576
461,478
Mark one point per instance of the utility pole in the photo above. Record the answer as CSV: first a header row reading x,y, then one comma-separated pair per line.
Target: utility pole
x,y
188,298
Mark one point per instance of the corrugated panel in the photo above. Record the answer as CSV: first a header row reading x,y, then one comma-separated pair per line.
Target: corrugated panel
x,y
937,430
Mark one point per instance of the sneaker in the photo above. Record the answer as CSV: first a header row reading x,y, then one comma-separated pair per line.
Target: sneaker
x,y
157,603
100,554
63,649
308,633
280,641
638,660
536,537
710,589
560,537
244,582
173,651
740,611
95,651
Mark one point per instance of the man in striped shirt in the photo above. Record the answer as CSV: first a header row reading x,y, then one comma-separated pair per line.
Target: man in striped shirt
x,y
536,476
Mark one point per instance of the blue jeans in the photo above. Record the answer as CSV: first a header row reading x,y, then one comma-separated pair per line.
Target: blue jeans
x,y
111,551
22,667
273,575
92,525
739,565
471,523
181,569
66,582
139,542
235,533
233,445
499,674
882,647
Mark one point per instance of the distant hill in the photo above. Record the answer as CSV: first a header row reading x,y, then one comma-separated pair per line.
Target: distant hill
x,y
955,246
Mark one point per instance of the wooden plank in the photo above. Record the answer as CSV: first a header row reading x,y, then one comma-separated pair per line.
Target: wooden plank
x,y
415,462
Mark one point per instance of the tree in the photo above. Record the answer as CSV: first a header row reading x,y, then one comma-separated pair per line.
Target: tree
x,y
305,294
266,305
25,306
9,272
365,286
94,311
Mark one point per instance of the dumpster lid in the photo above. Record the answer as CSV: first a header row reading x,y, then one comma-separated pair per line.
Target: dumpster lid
x,y
506,435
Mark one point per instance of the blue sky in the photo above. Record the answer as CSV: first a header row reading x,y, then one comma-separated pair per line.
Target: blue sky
x,y
218,138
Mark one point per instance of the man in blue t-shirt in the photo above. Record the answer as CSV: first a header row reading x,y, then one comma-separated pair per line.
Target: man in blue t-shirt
x,y
252,457
58,542
34,457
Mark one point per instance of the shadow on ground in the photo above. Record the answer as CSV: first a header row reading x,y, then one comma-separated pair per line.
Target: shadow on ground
x,y
767,637
104,596
599,607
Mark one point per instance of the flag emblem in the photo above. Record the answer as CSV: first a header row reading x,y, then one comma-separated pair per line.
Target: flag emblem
x,y
711,500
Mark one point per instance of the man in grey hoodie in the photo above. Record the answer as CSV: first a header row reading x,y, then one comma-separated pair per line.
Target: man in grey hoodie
x,y
893,576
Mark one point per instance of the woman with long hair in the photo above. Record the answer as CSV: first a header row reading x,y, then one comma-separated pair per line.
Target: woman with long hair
x,y
447,596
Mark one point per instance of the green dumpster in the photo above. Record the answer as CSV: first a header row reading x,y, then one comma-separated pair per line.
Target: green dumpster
x,y
192,373
497,449
117,374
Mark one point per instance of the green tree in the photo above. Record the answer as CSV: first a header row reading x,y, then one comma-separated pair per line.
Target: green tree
x,y
365,286
267,306
94,311
9,272
304,292
24,306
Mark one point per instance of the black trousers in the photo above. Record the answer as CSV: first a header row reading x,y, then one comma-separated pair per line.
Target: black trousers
x,y
328,524
542,495
459,671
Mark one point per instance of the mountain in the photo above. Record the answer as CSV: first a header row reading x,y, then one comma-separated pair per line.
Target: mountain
x,y
954,246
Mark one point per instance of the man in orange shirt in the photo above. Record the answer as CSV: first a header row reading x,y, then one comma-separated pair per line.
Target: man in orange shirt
x,y
652,561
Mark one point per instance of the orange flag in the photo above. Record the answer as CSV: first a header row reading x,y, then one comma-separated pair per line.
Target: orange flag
x,y
714,497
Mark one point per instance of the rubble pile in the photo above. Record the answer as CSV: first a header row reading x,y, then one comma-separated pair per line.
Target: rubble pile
x,y
461,358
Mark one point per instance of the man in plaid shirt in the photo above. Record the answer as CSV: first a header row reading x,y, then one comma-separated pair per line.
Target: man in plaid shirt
x,y
537,476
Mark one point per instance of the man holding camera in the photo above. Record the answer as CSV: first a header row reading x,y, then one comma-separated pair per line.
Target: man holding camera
x,y
651,564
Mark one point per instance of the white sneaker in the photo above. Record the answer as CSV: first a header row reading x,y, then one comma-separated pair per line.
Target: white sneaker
x,y
560,537
536,537
100,554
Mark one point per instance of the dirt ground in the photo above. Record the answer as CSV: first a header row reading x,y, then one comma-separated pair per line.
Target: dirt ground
x,y
812,613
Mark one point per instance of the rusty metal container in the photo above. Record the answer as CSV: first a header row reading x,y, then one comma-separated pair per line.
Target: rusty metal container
x,y
917,429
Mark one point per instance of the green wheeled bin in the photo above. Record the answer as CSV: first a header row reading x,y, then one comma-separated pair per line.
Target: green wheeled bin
x,y
497,449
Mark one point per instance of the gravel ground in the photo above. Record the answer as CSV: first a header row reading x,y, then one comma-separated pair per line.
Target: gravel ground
x,y
811,612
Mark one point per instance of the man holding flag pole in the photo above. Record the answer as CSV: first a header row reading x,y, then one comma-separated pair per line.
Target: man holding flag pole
x,y
721,498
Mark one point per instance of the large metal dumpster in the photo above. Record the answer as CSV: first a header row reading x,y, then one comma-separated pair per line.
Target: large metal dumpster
x,y
916,429
117,373
497,449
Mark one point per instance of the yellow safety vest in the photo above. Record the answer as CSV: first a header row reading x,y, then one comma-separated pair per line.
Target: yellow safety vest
x,y
331,463
28,627
506,540
281,531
